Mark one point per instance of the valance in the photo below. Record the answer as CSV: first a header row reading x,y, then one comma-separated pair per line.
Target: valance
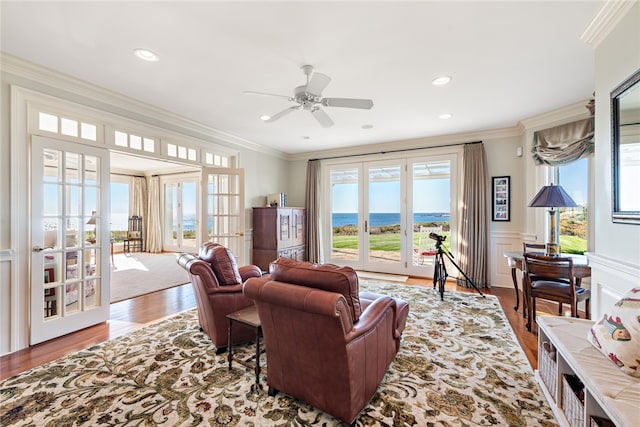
x,y
563,144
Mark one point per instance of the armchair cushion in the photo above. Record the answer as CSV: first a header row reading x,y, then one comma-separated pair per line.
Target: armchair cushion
x,y
327,277
222,262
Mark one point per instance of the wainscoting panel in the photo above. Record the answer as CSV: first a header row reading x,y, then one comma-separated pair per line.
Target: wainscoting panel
x,y
6,264
610,281
499,243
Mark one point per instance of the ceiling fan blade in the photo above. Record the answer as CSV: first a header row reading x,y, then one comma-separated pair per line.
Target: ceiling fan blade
x,y
317,83
365,104
322,118
281,114
250,92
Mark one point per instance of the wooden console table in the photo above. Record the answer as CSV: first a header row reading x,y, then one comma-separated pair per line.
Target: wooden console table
x,y
515,259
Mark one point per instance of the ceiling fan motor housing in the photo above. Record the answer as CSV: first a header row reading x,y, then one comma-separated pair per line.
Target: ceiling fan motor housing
x,y
304,98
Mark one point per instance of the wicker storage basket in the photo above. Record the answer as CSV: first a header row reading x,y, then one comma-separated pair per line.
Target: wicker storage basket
x,y
572,406
547,367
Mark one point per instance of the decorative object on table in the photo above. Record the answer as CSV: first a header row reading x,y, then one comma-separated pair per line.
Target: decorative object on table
x,y
501,200
277,200
617,333
552,196
458,362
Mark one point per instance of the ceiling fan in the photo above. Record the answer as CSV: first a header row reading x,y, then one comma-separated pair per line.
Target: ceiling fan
x,y
309,97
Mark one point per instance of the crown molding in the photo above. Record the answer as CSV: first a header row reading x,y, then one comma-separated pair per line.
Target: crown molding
x,y
574,111
606,20
62,82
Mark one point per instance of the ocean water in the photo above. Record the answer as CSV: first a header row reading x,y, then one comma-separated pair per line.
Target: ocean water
x,y
119,221
378,219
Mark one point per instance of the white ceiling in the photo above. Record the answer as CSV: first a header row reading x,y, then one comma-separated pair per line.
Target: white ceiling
x,y
509,61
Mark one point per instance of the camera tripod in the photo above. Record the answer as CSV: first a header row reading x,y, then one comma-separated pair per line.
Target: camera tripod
x,y
440,270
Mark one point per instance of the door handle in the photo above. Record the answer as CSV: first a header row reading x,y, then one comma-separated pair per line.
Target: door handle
x,y
38,248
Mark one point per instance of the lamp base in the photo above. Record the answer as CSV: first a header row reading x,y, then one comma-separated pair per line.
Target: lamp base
x,y
552,249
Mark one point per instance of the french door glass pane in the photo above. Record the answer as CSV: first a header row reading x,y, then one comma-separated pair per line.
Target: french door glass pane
x,y
431,183
384,214
171,213
344,213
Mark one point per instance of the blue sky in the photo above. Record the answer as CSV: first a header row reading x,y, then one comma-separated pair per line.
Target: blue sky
x,y
431,195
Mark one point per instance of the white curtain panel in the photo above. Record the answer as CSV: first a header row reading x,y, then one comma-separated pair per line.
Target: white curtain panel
x,y
154,225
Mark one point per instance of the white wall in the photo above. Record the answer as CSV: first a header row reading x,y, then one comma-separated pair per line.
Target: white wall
x,y
616,257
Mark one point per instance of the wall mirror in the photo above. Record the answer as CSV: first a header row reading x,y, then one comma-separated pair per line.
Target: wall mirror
x,y
625,131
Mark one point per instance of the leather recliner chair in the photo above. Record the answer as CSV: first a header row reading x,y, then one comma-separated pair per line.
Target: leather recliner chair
x,y
326,344
217,284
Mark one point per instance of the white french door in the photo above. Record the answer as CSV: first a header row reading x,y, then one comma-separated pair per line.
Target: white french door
x,y
180,213
375,211
69,237
367,215
222,209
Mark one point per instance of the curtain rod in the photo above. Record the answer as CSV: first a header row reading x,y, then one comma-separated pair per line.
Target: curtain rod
x,y
126,174
396,151
177,173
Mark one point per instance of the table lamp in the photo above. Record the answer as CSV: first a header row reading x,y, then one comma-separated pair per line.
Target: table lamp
x,y
552,196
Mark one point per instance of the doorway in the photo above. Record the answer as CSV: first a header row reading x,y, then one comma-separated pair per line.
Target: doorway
x,y
180,213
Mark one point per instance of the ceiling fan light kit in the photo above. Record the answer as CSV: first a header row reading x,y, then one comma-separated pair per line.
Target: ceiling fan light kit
x,y
309,97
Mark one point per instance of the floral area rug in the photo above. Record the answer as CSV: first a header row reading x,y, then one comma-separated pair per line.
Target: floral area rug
x,y
458,365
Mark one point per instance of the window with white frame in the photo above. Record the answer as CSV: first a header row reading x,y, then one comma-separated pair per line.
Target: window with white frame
x,y
66,126
574,222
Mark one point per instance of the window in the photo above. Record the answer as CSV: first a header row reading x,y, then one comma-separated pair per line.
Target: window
x,y
66,126
573,222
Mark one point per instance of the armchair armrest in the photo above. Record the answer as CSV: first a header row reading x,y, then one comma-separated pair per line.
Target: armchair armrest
x,y
372,316
248,271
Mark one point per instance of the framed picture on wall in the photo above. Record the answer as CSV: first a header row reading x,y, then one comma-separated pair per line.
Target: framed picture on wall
x,y
501,198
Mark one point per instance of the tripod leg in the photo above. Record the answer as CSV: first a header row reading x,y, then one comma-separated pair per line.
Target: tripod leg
x,y
463,273
442,280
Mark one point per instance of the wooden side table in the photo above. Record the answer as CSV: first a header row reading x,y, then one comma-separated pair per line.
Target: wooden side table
x,y
249,317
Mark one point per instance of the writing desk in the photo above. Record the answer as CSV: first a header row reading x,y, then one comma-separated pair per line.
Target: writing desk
x,y
515,259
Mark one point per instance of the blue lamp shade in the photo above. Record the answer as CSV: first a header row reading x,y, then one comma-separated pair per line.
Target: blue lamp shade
x,y
552,196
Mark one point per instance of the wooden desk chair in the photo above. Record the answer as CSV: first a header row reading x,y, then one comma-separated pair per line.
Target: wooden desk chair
x,y
552,278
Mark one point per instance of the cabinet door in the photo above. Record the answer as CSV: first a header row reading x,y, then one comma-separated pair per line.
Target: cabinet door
x,y
298,227
285,221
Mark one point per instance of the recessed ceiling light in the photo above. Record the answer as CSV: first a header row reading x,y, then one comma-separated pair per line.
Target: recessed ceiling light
x,y
264,117
442,80
367,126
445,116
146,55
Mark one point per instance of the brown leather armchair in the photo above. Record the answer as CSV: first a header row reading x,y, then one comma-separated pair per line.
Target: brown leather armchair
x,y
326,344
217,285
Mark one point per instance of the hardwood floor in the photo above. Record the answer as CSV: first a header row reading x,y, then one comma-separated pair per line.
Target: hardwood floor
x,y
129,315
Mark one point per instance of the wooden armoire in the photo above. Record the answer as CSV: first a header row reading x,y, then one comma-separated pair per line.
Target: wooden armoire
x,y
278,232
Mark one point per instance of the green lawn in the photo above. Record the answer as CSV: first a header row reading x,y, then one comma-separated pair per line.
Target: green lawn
x,y
573,245
379,242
